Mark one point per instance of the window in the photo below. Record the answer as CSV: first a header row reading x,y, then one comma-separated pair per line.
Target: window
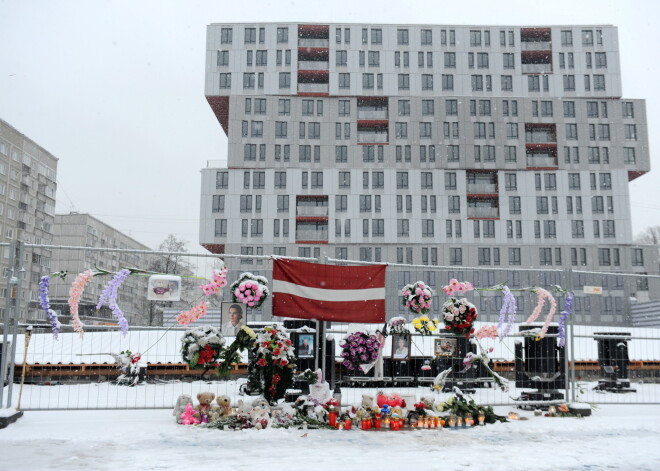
x,y
344,80
571,131
627,109
604,257
280,180
455,256
447,82
374,58
605,181
404,81
225,80
454,204
222,180
569,83
599,82
317,179
225,35
514,205
477,83
427,181
587,37
257,129
630,131
427,82
402,179
285,79
566,38
402,227
402,36
450,60
638,257
512,130
376,36
482,60
506,83
569,109
533,83
425,130
450,181
453,153
629,155
426,37
401,130
218,203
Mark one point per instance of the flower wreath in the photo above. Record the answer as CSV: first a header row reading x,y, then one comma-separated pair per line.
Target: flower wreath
x,y
250,290
273,362
359,348
202,345
417,297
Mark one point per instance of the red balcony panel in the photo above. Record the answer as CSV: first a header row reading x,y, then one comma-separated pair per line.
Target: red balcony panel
x,y
313,76
481,170
492,198
535,34
215,248
366,124
312,218
550,127
313,54
632,174
314,31
542,148
308,242
311,197
372,101
220,107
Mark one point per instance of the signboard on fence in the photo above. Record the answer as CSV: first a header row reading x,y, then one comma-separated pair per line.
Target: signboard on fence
x,y
164,288
593,290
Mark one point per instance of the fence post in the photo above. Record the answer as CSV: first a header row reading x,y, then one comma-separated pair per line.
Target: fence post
x,y
17,315
570,334
5,323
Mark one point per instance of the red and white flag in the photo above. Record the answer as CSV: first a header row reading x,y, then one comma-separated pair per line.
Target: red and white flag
x,y
328,292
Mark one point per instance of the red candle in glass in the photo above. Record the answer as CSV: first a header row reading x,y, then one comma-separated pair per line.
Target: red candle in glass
x,y
347,424
332,417
377,423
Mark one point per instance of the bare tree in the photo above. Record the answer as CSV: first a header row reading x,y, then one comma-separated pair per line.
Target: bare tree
x,y
650,236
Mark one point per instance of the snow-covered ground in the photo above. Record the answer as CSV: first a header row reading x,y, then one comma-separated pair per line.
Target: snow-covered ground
x,y
613,438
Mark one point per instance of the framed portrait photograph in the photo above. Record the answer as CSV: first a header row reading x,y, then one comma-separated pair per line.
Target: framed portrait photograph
x,y
305,346
401,347
446,347
234,316
164,288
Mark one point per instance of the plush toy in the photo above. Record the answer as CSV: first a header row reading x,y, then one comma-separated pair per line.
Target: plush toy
x,y
428,406
393,400
319,392
259,417
179,408
188,416
204,407
367,408
223,408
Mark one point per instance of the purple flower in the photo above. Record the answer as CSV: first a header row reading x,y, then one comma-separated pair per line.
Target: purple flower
x,y
508,307
44,302
109,297
568,309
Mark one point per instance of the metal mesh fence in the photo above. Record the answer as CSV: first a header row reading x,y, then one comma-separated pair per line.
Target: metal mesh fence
x,y
607,359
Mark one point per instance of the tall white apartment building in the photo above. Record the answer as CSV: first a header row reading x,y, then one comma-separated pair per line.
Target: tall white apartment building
x,y
28,183
426,144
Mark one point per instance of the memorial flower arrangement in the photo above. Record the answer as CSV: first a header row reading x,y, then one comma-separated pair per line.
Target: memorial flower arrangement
x,y
44,303
397,326
458,313
417,297
359,348
202,346
459,405
425,326
250,290
273,363
565,314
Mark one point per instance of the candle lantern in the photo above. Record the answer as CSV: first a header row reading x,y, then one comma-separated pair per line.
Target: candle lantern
x,y
436,422
332,418
347,424
452,421
377,422
469,421
552,410
364,424
481,417
459,421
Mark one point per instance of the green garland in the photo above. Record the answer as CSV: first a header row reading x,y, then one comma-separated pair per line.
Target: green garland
x,y
192,349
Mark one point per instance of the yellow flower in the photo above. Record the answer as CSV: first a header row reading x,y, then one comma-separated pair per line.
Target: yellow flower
x,y
248,331
415,320
432,328
417,325
424,318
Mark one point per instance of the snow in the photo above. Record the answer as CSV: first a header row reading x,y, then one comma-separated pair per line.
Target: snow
x,y
614,437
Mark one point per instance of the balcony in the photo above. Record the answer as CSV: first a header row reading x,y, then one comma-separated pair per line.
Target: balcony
x,y
483,212
312,65
313,42
537,133
309,235
536,68
372,137
312,211
481,188
541,161
536,46
313,88
372,114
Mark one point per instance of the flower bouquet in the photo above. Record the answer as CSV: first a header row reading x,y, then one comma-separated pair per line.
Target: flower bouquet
x,y
359,348
458,313
425,326
272,365
202,346
218,280
397,326
417,297
250,290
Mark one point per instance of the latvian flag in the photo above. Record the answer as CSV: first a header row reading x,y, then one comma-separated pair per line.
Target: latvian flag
x,y
329,293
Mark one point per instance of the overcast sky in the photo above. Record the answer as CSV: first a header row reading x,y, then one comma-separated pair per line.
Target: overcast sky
x,y
115,90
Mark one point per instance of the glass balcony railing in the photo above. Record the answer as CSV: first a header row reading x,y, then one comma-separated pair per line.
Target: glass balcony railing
x,y
483,212
536,68
313,88
313,211
542,161
313,42
372,114
369,137
311,234
481,188
312,65
536,45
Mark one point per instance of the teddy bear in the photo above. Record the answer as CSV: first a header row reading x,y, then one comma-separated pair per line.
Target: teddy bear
x,y
367,408
204,407
179,408
259,417
223,408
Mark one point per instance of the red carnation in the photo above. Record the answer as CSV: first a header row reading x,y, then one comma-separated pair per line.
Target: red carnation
x,y
287,341
284,362
265,344
261,362
276,378
276,352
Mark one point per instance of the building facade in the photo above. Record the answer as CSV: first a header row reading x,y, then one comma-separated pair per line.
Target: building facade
x,y
28,176
84,230
430,145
